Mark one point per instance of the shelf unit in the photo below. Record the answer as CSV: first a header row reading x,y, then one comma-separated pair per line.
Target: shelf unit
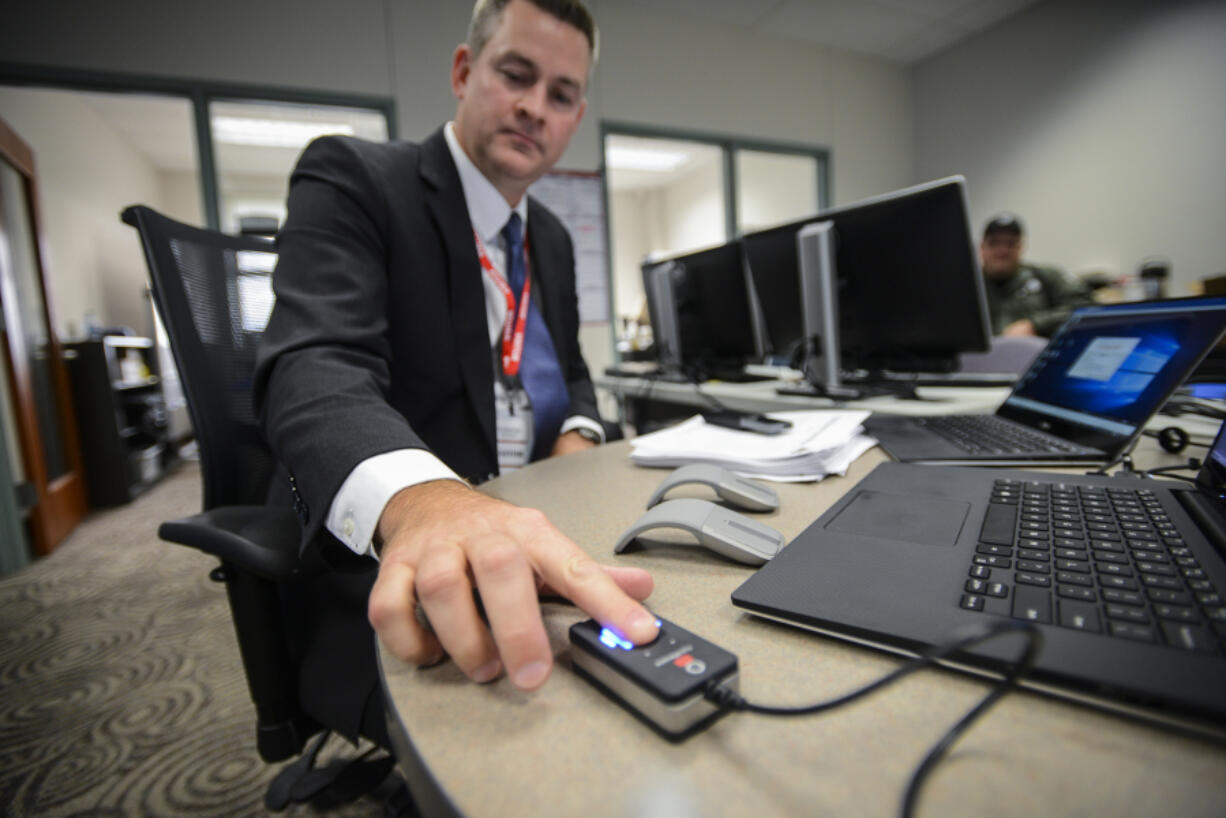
x,y
121,414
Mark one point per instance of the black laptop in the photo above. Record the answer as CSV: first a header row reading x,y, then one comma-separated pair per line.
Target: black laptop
x,y
1085,398
1123,575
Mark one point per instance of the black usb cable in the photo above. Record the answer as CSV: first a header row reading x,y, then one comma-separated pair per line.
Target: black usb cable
x,y
727,699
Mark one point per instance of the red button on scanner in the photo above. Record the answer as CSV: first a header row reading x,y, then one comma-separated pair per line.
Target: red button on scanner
x,y
683,660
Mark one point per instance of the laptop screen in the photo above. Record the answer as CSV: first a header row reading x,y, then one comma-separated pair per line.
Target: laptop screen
x,y
1111,365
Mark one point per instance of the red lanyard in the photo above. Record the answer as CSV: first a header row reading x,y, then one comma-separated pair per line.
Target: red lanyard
x,y
516,321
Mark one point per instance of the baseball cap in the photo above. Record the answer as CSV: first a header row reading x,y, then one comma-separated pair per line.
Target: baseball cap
x,y
1004,223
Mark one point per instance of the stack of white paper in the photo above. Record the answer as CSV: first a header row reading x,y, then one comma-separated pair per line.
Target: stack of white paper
x,y
820,442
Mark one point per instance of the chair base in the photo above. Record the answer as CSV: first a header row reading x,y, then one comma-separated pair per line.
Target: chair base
x,y
372,773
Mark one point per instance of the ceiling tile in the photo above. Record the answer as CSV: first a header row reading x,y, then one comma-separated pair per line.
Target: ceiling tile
x,y
924,44
899,30
732,12
843,24
987,13
931,9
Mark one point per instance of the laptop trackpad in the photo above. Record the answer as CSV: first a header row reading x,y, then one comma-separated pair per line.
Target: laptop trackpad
x,y
920,520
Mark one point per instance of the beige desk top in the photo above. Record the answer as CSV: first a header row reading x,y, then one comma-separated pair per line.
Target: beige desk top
x,y
567,750
760,396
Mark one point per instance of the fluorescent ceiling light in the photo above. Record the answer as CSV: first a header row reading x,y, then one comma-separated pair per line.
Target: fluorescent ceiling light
x,y
620,157
274,133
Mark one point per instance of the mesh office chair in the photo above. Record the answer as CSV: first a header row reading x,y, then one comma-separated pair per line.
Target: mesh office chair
x,y
214,295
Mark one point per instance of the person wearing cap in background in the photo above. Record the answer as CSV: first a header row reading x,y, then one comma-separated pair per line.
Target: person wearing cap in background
x,y
1023,298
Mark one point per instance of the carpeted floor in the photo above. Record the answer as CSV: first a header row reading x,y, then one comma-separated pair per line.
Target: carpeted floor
x,y
121,689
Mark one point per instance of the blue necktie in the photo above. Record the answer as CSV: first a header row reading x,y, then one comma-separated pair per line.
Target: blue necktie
x,y
539,370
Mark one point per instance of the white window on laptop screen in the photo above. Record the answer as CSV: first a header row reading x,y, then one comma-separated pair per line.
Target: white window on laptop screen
x,y
1118,362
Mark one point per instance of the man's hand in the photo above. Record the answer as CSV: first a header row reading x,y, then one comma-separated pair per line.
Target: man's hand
x,y
570,442
1023,326
443,539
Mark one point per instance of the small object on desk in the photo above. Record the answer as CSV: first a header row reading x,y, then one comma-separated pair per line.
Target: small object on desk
x,y
747,422
819,442
722,530
663,683
730,487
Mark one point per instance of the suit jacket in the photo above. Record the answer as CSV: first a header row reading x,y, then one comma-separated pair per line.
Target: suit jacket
x,y
378,340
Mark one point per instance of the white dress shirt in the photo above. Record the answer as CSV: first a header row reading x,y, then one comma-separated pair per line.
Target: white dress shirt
x,y
356,508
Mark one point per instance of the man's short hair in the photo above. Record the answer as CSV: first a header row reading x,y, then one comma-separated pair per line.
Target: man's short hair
x,y
1004,223
488,13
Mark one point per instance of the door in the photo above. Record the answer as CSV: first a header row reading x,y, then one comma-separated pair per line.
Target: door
x,y
52,481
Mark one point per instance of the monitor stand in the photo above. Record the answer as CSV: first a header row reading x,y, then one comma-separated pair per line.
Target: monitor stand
x,y
819,301
819,304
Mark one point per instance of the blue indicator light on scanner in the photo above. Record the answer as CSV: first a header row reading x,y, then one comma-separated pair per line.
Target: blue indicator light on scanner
x,y
611,639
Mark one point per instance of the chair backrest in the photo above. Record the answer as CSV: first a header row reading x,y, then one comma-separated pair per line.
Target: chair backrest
x,y
214,295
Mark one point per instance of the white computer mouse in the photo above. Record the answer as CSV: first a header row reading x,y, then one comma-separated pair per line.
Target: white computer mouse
x,y
722,530
729,486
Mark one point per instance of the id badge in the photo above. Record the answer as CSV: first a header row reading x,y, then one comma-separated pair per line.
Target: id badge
x,y
513,425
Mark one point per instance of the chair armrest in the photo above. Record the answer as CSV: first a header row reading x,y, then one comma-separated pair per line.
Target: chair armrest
x,y
260,539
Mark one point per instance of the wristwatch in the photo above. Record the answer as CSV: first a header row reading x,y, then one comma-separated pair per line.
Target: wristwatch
x,y
590,435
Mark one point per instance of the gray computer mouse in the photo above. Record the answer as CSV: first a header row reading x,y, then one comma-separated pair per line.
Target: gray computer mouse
x,y
730,486
722,530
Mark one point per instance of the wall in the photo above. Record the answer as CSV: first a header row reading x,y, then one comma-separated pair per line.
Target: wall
x,y
654,70
774,189
635,212
293,43
693,208
179,194
1101,122
696,76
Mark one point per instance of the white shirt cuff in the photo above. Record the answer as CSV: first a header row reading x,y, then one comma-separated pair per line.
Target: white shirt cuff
x,y
356,508
579,421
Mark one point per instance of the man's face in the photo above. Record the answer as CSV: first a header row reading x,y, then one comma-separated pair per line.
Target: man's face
x,y
1000,254
522,97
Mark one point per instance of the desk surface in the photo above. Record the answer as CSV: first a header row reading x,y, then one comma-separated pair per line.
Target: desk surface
x,y
760,396
566,750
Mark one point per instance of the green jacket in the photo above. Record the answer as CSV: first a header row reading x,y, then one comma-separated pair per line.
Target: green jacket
x,y
1045,295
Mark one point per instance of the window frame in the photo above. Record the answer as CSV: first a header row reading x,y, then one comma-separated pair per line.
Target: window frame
x,y
200,94
729,145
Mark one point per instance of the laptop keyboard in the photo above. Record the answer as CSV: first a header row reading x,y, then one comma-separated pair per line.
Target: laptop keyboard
x,y
1103,560
988,434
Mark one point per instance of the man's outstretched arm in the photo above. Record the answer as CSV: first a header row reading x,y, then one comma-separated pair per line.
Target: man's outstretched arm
x,y
442,541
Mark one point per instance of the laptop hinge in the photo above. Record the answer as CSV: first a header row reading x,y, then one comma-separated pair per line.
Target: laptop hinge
x,y
1207,516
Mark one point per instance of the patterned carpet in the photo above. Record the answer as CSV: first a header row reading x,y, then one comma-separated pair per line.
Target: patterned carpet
x,y
121,689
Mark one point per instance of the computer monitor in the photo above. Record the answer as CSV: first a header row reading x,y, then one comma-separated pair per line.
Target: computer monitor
x,y
1213,368
658,286
710,295
910,293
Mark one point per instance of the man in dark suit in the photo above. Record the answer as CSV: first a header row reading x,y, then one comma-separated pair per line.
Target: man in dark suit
x,y
391,365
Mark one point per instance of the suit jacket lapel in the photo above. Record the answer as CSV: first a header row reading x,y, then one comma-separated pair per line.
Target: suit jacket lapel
x,y
445,199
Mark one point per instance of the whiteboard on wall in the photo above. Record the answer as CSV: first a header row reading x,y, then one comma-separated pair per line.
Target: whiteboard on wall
x,y
577,198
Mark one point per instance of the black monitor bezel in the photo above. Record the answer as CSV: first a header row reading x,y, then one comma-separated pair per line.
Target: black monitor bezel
x,y
704,300
967,330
